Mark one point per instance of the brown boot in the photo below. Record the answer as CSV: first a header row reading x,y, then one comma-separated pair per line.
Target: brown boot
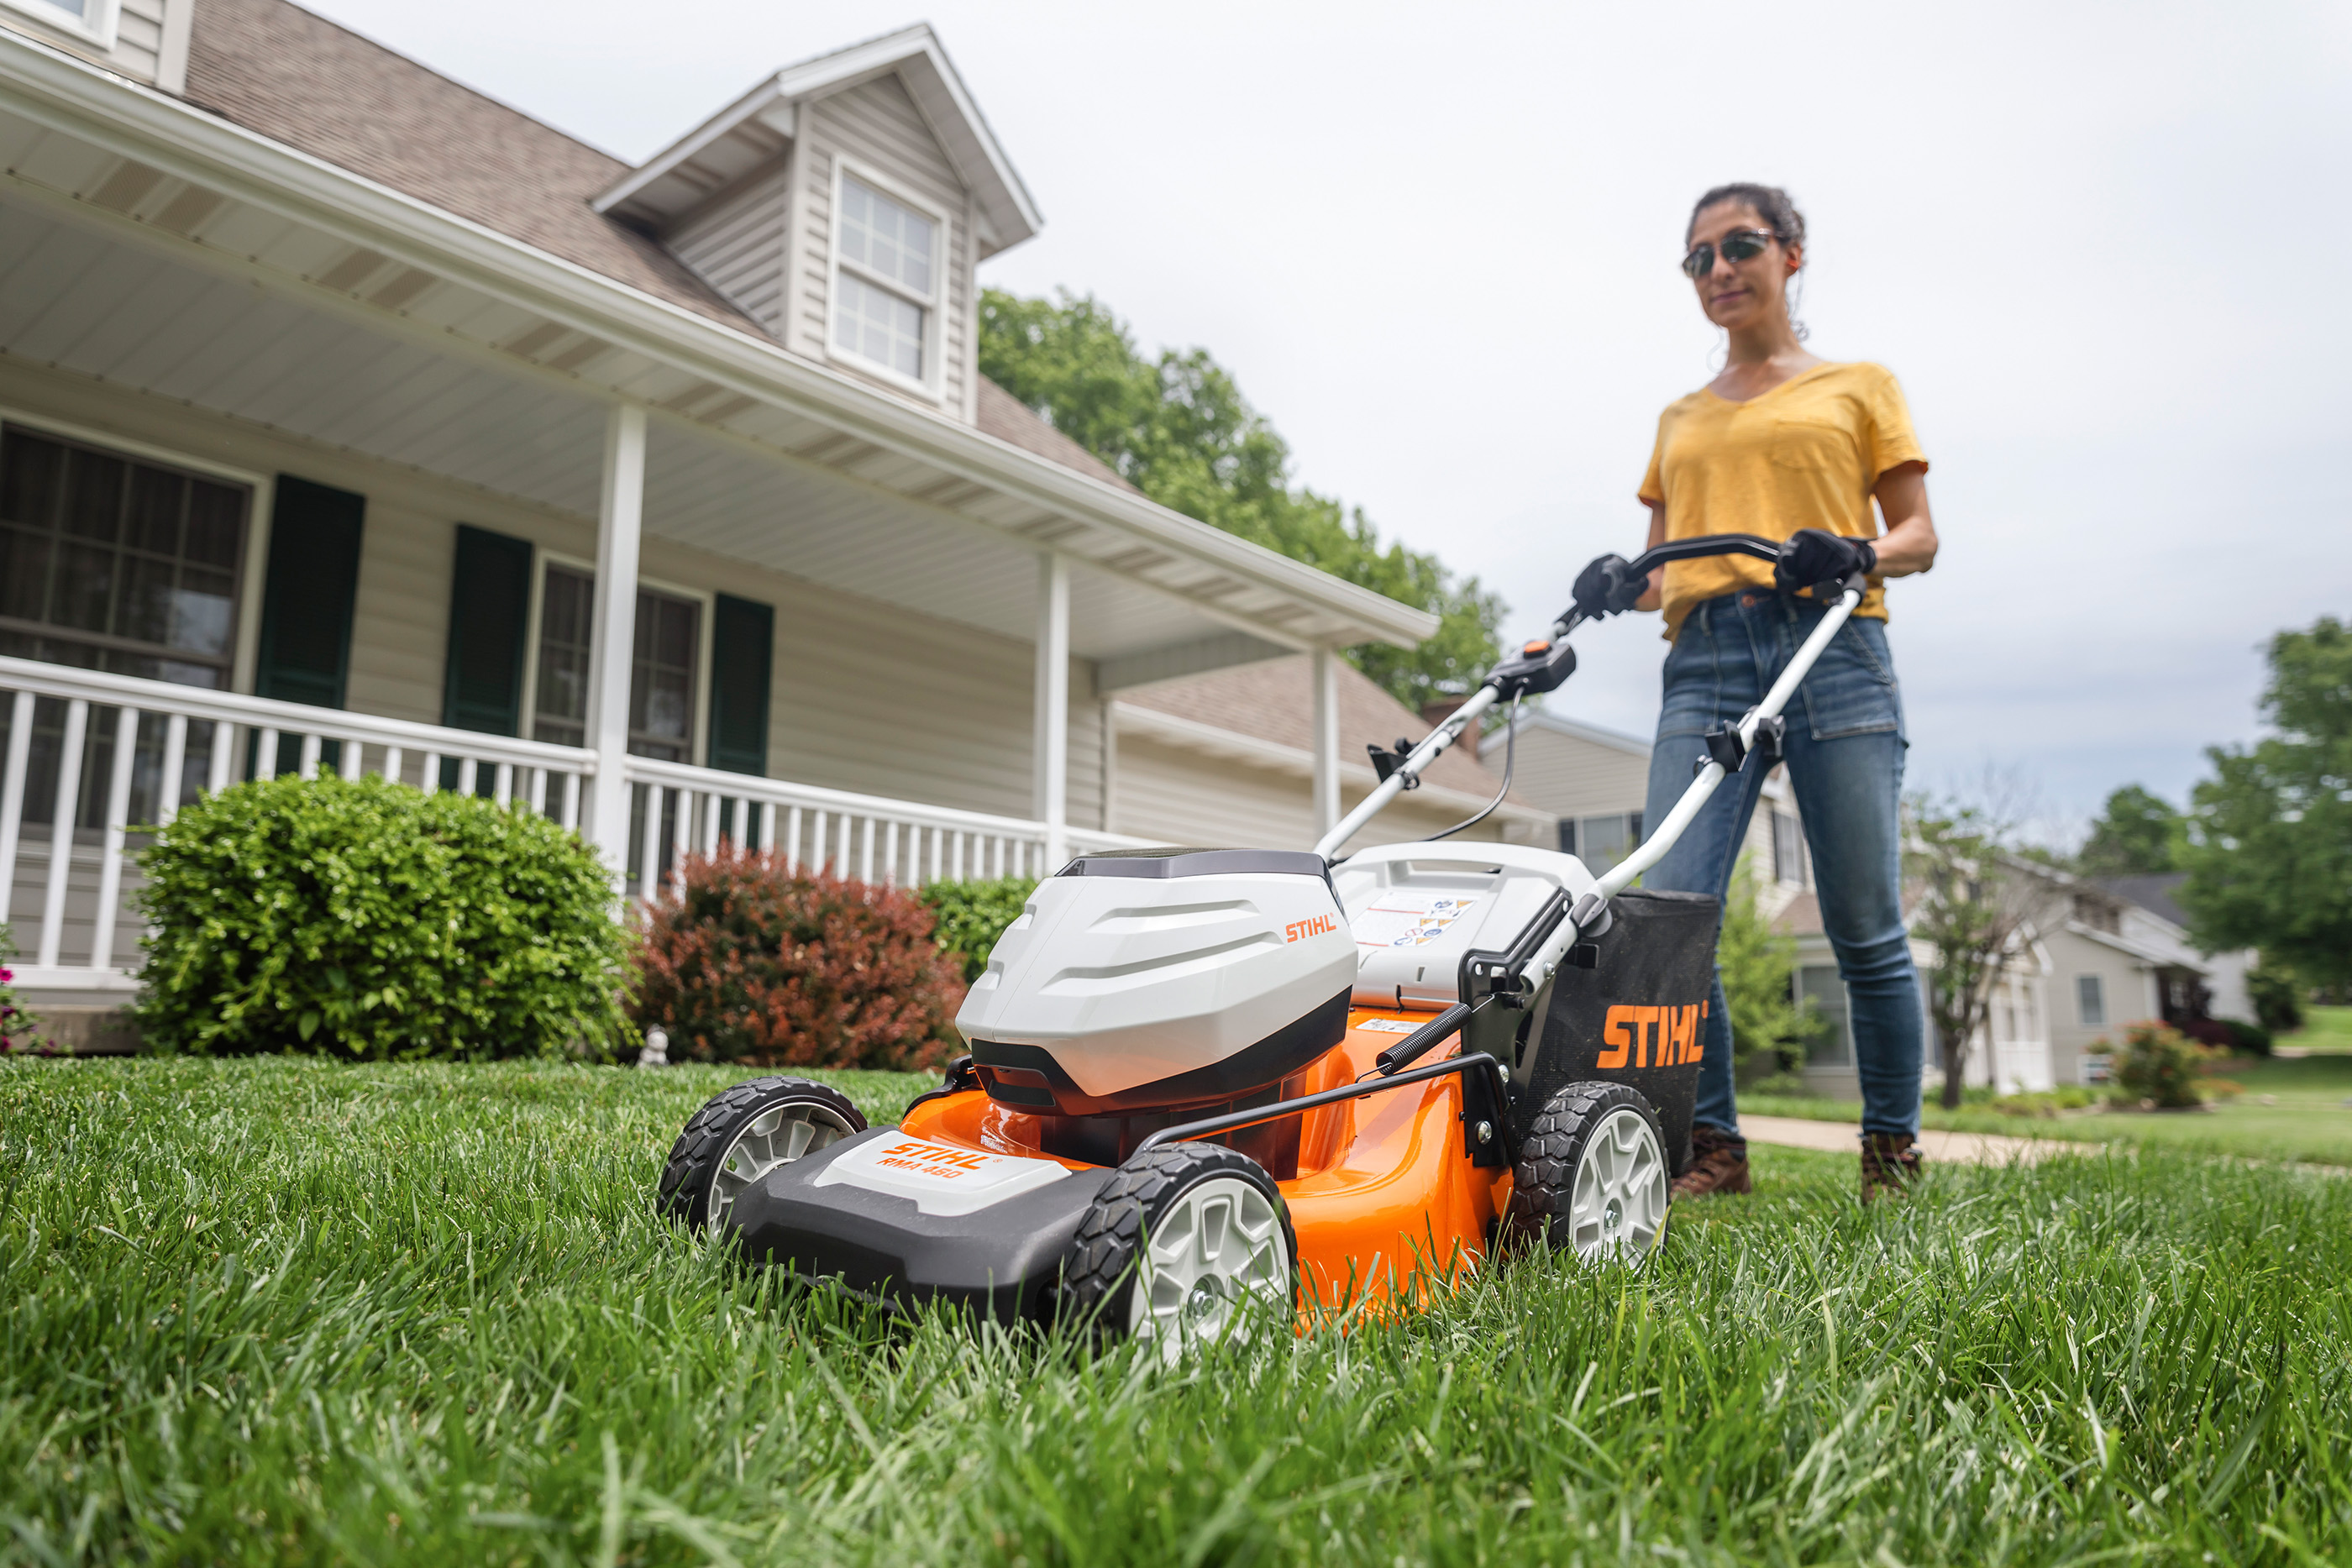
x,y
1719,1165
1889,1163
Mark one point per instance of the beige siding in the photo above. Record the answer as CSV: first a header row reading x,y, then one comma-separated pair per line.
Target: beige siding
x,y
1571,777
2130,997
866,695
877,125
138,36
1181,797
736,241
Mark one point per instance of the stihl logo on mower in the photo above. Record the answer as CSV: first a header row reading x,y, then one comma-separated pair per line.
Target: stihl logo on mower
x,y
932,1160
1650,1036
1299,930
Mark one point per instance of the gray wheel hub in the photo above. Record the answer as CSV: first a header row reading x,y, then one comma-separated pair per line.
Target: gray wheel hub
x,y
776,1136
1619,1204
1213,1261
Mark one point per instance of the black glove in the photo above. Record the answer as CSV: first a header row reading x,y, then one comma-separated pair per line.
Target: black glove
x,y
1609,585
1815,556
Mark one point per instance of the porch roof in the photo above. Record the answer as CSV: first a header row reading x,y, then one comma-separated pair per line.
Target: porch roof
x,y
172,252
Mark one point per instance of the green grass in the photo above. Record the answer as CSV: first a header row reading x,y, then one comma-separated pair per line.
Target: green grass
x,y
2310,1119
2323,1028
281,1310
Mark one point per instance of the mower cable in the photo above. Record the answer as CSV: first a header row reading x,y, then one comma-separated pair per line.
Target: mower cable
x,y
1510,756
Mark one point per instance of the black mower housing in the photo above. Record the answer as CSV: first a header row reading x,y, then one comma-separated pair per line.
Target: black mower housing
x,y
1003,1262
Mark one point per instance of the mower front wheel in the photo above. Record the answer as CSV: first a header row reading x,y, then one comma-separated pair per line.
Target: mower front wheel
x,y
1591,1175
1186,1243
742,1133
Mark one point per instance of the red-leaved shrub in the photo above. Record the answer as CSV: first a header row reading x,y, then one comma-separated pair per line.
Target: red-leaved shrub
x,y
748,962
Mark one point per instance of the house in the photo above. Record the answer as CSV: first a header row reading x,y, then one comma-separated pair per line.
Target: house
x,y
2124,956
1220,757
352,419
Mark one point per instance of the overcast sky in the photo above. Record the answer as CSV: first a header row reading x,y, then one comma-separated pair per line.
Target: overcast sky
x,y
2103,246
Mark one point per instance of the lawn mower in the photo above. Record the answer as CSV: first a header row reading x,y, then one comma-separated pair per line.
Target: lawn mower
x,y
1207,1080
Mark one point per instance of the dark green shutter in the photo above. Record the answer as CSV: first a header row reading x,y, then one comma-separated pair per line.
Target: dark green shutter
x,y
742,645
490,605
306,604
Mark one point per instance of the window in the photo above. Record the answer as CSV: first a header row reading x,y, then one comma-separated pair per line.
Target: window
x,y
2091,1001
91,19
885,285
560,708
109,562
1831,1044
663,664
1787,847
1604,841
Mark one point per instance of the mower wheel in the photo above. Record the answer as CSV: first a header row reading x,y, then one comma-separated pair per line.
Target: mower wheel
x,y
742,1133
1591,1175
1186,1242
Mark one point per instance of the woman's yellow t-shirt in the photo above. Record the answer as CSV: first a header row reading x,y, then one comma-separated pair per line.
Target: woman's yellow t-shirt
x,y
1804,454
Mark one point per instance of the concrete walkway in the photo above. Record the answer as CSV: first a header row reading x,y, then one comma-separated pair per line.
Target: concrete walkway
x,y
1958,1148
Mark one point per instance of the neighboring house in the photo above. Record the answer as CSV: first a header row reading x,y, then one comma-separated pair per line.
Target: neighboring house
x,y
352,420
2151,913
1220,758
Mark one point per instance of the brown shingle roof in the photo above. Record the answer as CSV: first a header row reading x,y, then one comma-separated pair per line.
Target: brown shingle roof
x,y
1274,700
1009,419
299,79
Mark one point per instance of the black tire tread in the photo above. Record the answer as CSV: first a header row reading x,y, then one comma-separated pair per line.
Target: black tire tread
x,y
1543,1182
1100,1260
685,1192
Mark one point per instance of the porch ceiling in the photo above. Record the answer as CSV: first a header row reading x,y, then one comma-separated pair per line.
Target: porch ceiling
x,y
157,247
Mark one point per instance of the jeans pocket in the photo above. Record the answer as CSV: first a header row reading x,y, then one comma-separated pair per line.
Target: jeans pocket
x,y
1852,689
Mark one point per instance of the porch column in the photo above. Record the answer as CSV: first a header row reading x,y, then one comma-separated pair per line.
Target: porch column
x,y
620,520
1327,741
1050,770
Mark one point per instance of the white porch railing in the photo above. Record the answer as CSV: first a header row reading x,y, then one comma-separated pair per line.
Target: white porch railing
x,y
90,757
865,837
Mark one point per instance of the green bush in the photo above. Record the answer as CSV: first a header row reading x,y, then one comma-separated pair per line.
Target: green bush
x,y
2278,1000
973,914
367,919
1769,1027
19,1024
2247,1039
2158,1066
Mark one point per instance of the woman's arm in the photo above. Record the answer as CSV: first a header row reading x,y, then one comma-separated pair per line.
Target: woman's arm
x,y
1909,544
1655,595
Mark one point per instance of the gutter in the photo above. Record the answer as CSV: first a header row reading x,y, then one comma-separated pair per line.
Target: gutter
x,y
66,94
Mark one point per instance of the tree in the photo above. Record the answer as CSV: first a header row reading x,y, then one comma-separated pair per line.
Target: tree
x,y
2136,835
2269,842
1979,902
1179,430
1758,964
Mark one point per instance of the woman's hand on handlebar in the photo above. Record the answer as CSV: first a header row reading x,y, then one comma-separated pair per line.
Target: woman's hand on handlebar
x,y
1609,586
1815,556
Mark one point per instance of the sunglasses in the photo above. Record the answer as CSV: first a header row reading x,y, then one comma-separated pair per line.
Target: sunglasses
x,y
1739,244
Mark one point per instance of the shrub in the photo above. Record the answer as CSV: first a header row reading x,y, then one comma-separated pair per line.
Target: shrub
x,y
2278,1000
748,962
973,914
1768,1026
2157,1064
19,1024
365,918
2247,1039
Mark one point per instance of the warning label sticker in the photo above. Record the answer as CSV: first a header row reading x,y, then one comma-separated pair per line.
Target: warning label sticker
x,y
1403,918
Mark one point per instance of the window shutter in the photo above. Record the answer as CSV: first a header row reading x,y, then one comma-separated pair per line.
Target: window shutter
x,y
490,605
742,646
312,583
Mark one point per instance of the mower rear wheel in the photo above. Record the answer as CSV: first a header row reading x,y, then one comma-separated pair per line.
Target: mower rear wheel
x,y
1591,1175
742,1133
1187,1243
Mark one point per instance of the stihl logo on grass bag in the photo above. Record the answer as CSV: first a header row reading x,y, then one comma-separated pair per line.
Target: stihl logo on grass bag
x,y
1650,1036
1298,930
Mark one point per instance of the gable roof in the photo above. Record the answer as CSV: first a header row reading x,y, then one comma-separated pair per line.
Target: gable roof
x,y
2153,894
290,75
1577,730
750,130
1272,701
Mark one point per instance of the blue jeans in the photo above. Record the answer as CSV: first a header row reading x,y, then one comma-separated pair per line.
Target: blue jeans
x,y
1844,748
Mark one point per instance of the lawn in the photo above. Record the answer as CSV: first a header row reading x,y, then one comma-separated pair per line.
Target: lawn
x,y
266,1312
2323,1028
2292,1109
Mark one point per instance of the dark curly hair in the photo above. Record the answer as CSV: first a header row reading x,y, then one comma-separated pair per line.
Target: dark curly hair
x,y
1771,203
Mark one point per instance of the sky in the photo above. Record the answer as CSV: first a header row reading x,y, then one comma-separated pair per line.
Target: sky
x,y
2106,248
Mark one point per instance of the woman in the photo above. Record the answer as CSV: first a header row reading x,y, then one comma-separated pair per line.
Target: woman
x,y
1794,447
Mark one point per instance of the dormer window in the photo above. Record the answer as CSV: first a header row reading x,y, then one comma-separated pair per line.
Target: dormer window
x,y
886,290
